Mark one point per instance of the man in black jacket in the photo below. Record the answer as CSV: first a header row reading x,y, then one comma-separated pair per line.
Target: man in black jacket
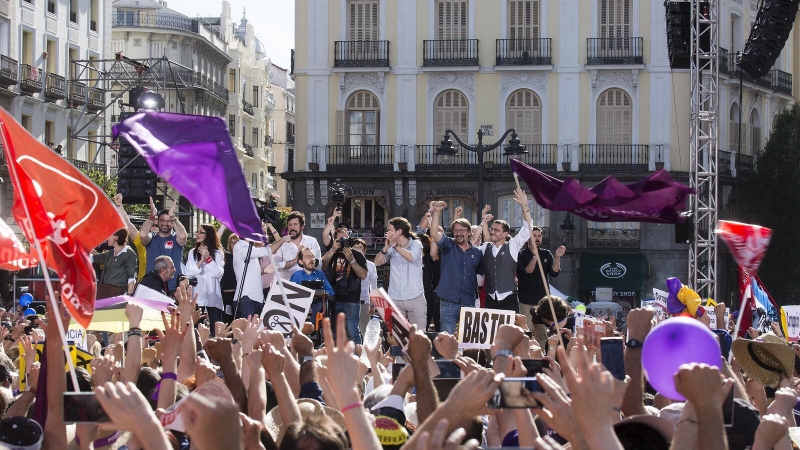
x,y
157,280
529,279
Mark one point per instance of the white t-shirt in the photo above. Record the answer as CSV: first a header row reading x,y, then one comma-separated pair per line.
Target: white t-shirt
x,y
252,281
288,252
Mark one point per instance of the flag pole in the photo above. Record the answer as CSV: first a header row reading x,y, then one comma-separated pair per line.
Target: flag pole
x,y
741,312
43,265
541,272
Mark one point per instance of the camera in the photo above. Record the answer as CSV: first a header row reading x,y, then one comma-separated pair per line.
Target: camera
x,y
192,281
346,242
268,212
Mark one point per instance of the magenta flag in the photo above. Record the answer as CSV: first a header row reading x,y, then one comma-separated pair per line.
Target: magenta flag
x,y
195,154
656,198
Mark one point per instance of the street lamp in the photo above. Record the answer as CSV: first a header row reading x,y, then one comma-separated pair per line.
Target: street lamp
x,y
447,151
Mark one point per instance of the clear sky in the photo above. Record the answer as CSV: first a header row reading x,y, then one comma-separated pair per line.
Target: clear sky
x,y
273,21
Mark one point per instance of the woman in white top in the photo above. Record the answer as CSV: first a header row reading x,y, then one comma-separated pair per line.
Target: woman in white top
x,y
206,262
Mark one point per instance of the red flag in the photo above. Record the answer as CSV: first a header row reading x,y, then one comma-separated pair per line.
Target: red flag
x,y
66,212
747,243
748,299
13,255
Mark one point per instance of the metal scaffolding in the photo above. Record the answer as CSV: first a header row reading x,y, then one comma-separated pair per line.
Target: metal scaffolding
x,y
703,145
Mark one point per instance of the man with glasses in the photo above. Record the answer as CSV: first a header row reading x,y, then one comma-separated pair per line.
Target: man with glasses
x,y
309,272
500,257
164,242
460,267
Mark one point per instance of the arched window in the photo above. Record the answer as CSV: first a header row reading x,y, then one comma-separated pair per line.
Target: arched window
x,y
755,133
733,129
363,121
614,110
524,114
450,112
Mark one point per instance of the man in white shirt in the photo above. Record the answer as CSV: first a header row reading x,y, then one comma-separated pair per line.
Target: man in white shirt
x,y
286,256
500,257
249,297
403,252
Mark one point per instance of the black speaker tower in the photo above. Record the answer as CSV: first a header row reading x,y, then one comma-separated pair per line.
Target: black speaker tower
x,y
136,180
679,33
768,36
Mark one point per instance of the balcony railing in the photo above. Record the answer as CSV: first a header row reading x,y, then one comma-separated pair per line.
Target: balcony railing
x,y
248,149
724,58
247,107
450,52
361,54
359,158
77,92
55,86
140,19
523,52
781,81
97,100
30,79
613,238
9,70
615,50
87,166
724,163
611,157
541,156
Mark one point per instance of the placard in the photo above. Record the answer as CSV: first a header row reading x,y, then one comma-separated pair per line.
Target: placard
x,y
478,326
791,316
80,358
391,315
275,317
713,317
604,294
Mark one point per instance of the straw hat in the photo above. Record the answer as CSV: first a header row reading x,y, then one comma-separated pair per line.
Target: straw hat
x,y
308,408
766,359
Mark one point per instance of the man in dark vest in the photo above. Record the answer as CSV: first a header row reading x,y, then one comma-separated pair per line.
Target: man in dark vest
x,y
500,257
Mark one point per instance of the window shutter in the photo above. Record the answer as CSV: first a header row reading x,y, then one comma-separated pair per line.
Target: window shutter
x,y
340,128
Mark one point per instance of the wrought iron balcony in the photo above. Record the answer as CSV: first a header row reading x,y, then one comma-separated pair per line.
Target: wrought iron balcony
x,y
87,166
361,54
77,92
615,51
97,100
247,107
613,238
450,52
724,163
360,158
141,19
523,52
781,81
30,79
9,70
248,149
541,156
55,87
614,157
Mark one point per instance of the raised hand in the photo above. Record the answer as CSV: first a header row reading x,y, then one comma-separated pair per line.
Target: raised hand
x,y
301,344
219,349
174,332
772,429
342,361
249,333
485,210
204,371
446,344
103,370
204,332
639,322
134,315
153,209
438,206
273,361
128,410
118,199
470,395
702,385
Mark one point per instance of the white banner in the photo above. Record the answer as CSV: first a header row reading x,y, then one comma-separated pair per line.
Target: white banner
x,y
78,337
275,317
792,322
711,315
478,326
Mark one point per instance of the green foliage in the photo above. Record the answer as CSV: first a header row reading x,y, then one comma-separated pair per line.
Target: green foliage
x,y
109,186
770,197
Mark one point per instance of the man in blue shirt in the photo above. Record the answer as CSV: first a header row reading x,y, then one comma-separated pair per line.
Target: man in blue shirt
x,y
308,262
460,267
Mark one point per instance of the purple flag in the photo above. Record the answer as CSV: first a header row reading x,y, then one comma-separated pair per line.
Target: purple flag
x,y
195,154
657,198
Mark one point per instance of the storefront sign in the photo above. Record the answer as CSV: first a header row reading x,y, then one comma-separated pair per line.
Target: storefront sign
x,y
624,273
613,270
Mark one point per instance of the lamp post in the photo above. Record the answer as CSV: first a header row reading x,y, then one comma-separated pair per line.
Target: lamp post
x,y
446,149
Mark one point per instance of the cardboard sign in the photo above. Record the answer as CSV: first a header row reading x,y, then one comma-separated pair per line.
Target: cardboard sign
x,y
394,319
791,316
478,326
78,336
661,297
172,419
80,358
275,317
713,324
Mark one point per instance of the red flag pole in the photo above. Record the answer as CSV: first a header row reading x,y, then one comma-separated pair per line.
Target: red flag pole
x,y
42,264
741,313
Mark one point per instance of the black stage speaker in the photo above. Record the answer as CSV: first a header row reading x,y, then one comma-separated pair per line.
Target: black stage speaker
x,y
137,182
769,34
679,33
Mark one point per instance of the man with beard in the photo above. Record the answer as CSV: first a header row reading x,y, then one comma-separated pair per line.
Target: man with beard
x,y
346,268
500,257
460,265
287,256
529,279
164,242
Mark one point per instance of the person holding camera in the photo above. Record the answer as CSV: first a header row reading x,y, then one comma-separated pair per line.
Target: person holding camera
x,y
206,263
403,251
330,225
346,268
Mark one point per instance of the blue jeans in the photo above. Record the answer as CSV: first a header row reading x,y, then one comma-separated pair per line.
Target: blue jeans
x,y
449,313
352,313
247,308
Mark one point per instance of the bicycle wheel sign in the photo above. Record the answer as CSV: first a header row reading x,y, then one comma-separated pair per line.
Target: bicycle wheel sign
x,y
275,315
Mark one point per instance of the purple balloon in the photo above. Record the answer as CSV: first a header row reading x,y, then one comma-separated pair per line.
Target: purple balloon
x,y
674,342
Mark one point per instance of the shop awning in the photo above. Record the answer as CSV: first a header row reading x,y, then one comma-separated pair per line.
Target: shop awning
x,y
624,272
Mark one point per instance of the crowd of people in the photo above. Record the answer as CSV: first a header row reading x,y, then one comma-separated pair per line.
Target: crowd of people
x,y
213,378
